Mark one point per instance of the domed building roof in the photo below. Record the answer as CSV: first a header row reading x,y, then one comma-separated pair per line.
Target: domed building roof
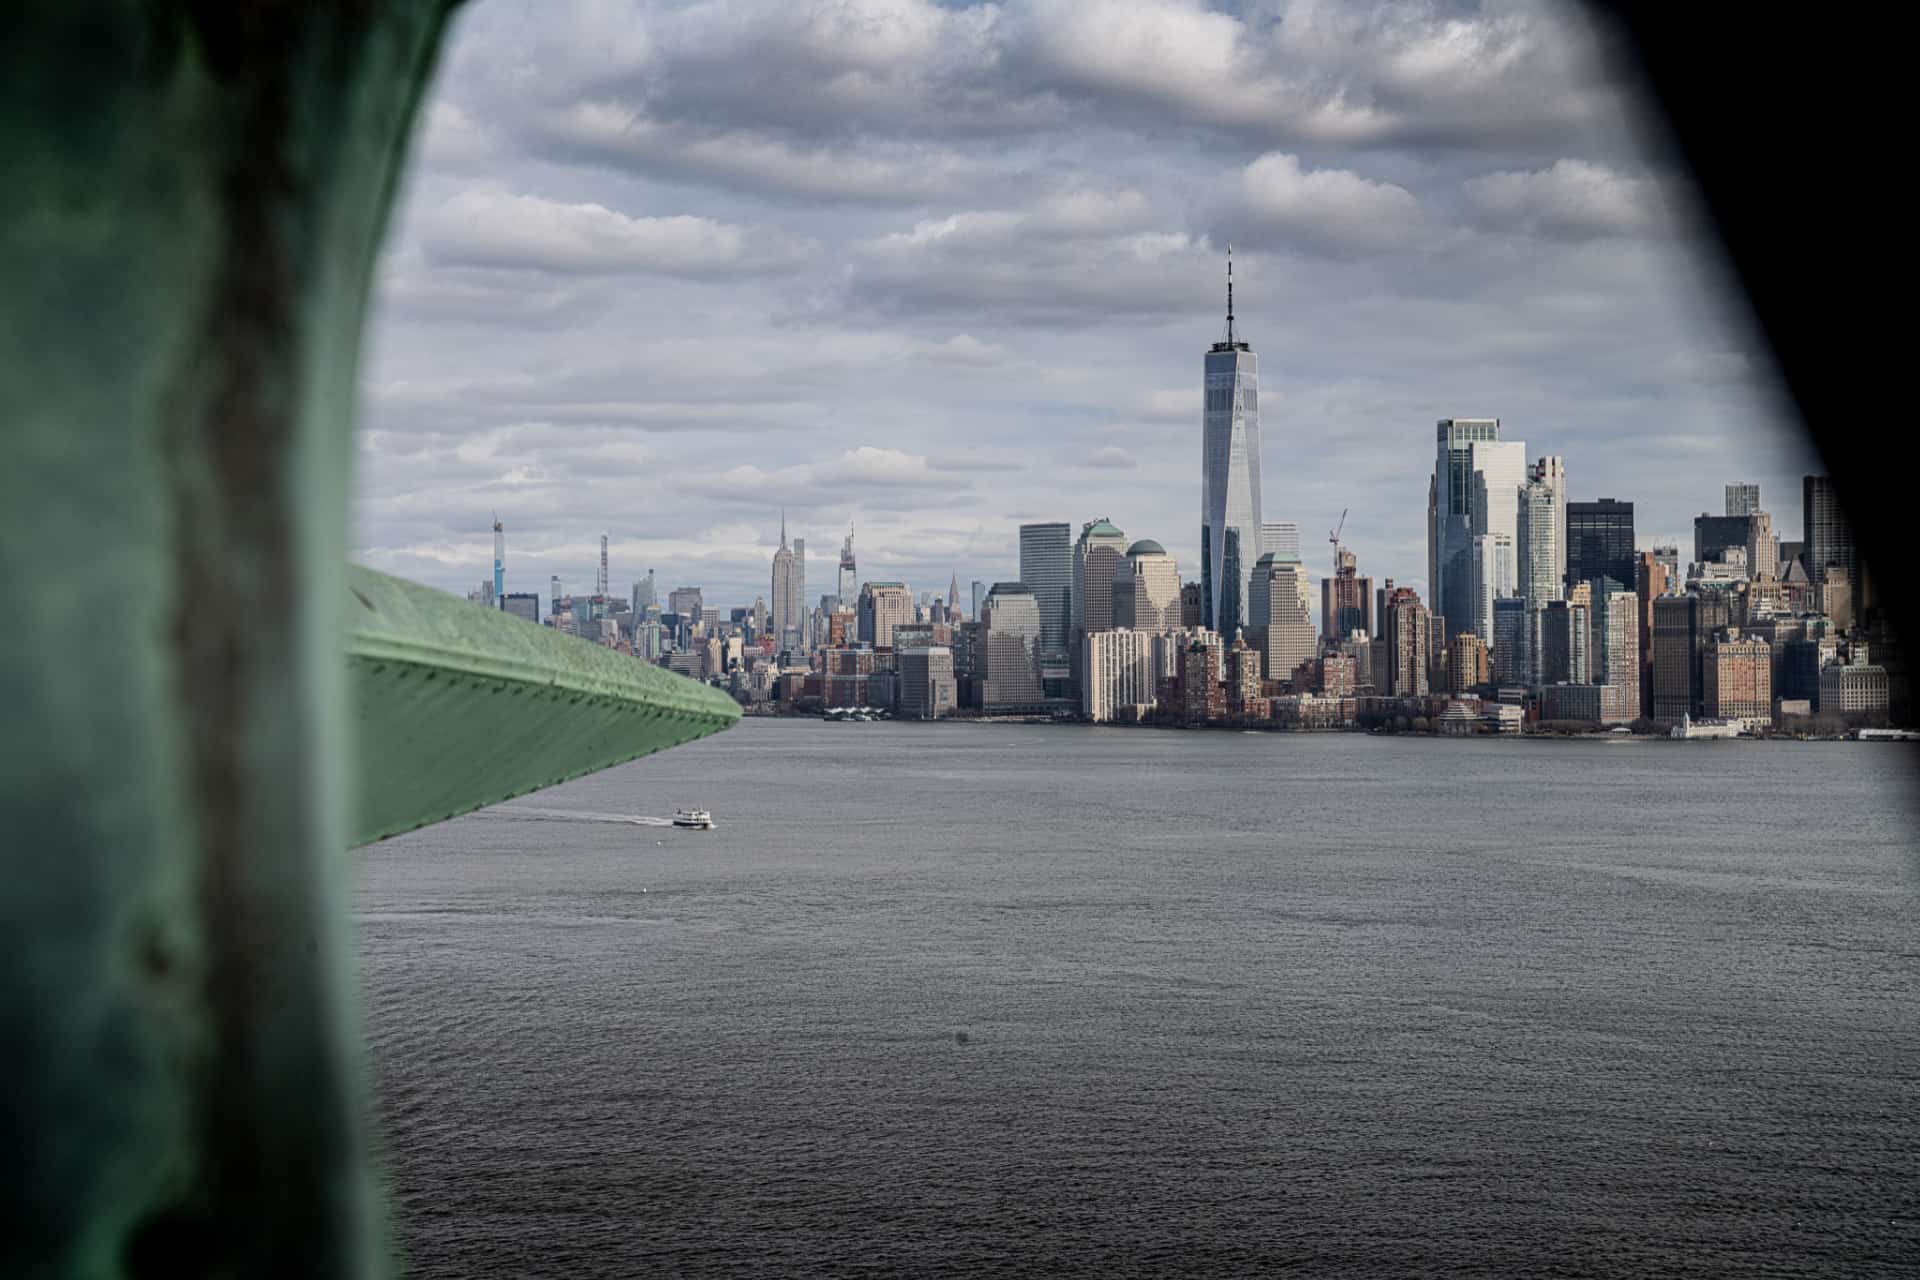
x,y
1146,547
1102,528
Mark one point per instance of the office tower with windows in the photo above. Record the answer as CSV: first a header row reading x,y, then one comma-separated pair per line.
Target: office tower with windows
x,y
788,595
1509,657
1492,578
1826,530
1280,538
1540,558
1737,678
1649,585
928,690
1474,491
1617,656
1009,660
1600,542
979,596
1146,589
1743,498
1229,476
1046,567
849,580
883,606
1096,556
1551,471
644,594
1279,619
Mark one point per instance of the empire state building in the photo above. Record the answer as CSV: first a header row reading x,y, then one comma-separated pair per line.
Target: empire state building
x,y
1229,477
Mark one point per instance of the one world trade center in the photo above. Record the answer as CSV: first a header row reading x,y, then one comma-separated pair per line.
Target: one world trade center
x,y
1229,477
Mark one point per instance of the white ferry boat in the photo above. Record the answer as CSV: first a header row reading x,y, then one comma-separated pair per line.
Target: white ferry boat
x,y
693,819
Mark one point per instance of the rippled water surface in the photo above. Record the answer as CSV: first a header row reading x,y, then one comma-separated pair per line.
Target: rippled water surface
x,y
961,999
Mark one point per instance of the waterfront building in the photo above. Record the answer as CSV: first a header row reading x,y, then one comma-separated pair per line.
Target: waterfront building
x,y
1617,618
1229,476
1146,589
1574,702
1201,697
1331,676
1403,655
1683,629
1346,599
1474,491
883,606
1119,673
1565,636
1243,677
1013,629
1857,690
1649,584
1600,542
1281,625
1466,663
928,689
1737,678
1828,532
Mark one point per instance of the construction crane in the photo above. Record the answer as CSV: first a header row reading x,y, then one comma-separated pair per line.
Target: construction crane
x,y
1333,536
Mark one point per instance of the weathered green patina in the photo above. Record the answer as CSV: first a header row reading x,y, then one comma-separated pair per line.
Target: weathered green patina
x,y
192,199
459,707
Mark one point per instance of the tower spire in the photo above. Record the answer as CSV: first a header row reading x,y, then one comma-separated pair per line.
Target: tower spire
x,y
783,528
1230,337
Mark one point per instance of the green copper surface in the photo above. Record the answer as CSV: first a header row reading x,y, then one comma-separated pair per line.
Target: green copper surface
x,y
459,706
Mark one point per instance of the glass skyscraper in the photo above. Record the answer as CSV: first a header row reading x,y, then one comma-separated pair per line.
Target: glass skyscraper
x,y
1600,542
1475,491
1046,567
1230,532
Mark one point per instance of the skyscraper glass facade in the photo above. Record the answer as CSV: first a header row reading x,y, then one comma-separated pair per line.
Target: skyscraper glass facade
x,y
1230,530
1046,567
1600,542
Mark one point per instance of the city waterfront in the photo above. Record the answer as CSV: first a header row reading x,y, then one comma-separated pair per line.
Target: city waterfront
x,y
983,997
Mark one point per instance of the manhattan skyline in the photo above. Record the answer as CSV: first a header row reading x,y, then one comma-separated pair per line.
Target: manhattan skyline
x,y
639,339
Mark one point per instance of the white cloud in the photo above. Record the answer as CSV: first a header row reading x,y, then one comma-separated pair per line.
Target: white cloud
x,y
1572,200
1276,203
482,228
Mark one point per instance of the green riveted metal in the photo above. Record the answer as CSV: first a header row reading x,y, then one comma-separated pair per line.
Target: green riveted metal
x,y
193,195
459,706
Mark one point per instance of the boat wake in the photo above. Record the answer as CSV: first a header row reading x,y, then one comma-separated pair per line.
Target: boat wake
x,y
527,813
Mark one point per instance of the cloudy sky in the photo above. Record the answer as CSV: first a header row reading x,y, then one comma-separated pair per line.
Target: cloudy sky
x,y
940,269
